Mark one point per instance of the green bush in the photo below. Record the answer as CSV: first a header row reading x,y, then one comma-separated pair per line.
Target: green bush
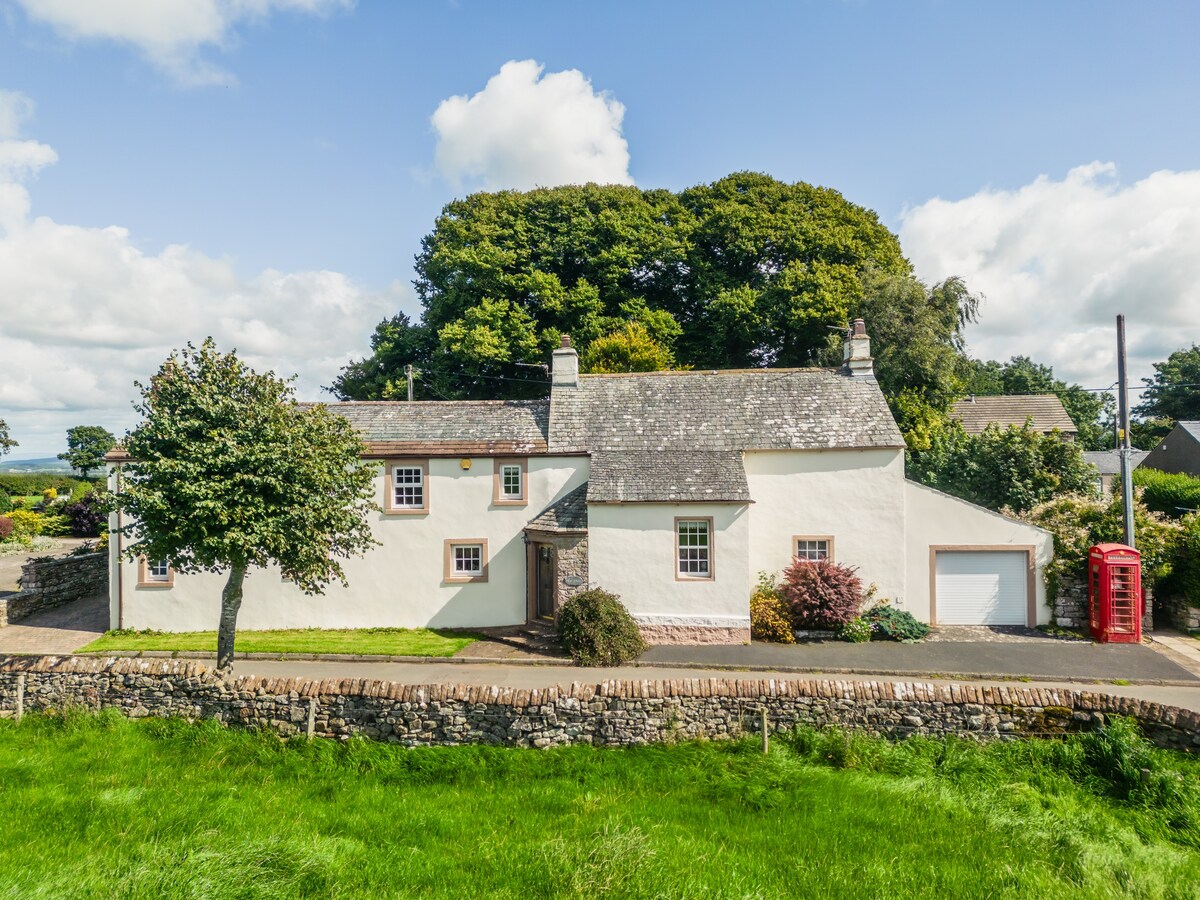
x,y
1173,495
770,618
821,594
22,484
856,631
5,503
597,630
56,526
895,624
1184,580
26,523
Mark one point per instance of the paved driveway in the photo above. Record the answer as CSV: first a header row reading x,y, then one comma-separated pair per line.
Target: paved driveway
x,y
57,631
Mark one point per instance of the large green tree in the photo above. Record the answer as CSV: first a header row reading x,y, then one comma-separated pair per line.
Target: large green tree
x,y
6,442
1174,391
86,446
747,271
227,471
1021,375
1002,468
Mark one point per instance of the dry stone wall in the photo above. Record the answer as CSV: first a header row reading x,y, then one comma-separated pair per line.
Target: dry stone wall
x,y
46,584
611,713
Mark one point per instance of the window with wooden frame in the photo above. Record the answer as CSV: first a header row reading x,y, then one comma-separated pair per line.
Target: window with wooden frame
x,y
509,482
407,487
157,573
465,560
812,547
693,549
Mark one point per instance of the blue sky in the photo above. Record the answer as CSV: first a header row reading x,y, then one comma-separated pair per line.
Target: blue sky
x,y
270,175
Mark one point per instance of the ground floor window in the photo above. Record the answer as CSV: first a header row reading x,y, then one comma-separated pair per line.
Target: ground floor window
x,y
807,548
466,560
693,546
155,573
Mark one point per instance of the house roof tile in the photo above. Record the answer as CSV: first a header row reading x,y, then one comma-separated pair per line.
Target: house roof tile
x,y
1046,411
1108,462
485,427
567,514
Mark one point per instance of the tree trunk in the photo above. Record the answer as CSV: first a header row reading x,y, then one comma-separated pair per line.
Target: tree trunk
x,y
231,602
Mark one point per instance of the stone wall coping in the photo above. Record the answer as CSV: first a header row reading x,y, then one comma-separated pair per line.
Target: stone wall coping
x,y
583,692
38,562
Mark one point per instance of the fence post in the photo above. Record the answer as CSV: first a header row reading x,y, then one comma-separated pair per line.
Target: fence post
x,y
20,696
311,727
765,736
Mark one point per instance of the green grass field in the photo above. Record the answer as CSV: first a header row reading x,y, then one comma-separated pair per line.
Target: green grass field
x,y
370,641
101,807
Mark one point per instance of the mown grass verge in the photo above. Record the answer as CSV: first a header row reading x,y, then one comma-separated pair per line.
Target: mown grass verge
x,y
368,641
99,806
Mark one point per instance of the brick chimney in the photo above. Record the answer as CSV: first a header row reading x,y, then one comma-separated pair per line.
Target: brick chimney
x,y
564,367
856,352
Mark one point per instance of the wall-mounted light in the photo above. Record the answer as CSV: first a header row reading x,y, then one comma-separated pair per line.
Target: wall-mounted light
x,y
465,463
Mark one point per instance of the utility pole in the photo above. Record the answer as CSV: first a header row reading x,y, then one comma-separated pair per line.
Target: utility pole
x,y
408,373
1123,413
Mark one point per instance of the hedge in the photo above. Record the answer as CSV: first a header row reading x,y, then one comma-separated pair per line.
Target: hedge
x,y
1174,495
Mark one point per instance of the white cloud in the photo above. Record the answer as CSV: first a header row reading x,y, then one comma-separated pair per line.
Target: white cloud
x,y
1057,260
170,33
84,312
525,129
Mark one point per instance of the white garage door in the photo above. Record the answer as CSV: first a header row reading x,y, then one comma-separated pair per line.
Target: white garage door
x,y
984,587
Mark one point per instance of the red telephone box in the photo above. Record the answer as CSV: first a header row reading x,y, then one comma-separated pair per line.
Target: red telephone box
x,y
1115,593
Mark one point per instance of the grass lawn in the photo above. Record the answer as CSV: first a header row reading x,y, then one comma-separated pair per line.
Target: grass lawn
x,y
95,806
375,641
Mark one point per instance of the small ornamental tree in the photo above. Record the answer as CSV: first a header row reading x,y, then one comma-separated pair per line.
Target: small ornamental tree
x,y
86,446
227,471
821,594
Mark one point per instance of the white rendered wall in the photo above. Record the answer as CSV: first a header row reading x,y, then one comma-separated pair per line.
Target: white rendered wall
x,y
632,552
397,584
935,518
855,496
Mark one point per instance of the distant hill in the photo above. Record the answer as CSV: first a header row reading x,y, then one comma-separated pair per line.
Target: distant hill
x,y
26,466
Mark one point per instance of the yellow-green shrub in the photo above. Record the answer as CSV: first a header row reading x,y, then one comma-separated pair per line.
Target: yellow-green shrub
x,y
770,618
26,523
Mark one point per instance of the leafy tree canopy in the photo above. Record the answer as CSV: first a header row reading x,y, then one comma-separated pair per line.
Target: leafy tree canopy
x,y
747,271
6,442
1010,468
628,349
86,446
1174,391
227,472
1021,375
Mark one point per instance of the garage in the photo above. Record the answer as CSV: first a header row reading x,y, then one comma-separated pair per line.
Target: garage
x,y
981,587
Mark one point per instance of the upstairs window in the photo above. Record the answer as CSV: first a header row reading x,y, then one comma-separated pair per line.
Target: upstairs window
x,y
693,546
509,482
408,487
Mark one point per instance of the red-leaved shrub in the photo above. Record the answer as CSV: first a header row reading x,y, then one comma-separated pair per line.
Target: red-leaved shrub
x,y
6,527
821,594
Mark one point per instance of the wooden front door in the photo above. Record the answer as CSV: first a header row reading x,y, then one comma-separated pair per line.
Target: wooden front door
x,y
545,581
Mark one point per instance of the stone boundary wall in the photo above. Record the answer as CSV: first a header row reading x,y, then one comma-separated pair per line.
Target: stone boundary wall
x,y
46,584
1180,613
1071,608
611,713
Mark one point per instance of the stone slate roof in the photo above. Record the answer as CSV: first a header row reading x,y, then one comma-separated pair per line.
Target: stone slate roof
x,y
449,428
666,436
568,514
1108,462
1046,411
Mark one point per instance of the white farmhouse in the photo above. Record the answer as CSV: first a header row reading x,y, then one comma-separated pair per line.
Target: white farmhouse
x,y
672,489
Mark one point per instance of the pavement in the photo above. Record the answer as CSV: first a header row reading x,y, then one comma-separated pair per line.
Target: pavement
x,y
534,676
10,565
57,632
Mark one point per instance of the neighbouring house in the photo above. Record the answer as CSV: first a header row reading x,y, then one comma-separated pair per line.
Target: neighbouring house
x,y
1044,412
1108,465
1178,452
672,489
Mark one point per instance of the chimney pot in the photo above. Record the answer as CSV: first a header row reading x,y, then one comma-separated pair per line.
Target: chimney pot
x,y
856,355
564,365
